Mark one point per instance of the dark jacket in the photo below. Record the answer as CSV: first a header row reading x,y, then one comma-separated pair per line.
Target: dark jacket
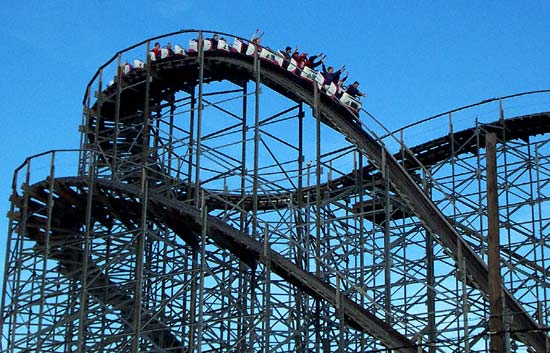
x,y
331,77
353,91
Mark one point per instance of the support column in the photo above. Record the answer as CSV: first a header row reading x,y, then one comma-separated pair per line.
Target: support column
x,y
199,120
317,214
360,181
387,244
190,146
170,152
116,129
496,302
430,279
202,274
301,233
255,187
140,258
46,253
243,223
84,134
267,291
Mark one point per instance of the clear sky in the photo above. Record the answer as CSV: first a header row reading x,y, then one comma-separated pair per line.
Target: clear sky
x,y
413,58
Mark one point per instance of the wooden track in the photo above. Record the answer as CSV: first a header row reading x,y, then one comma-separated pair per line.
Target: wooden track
x,y
121,201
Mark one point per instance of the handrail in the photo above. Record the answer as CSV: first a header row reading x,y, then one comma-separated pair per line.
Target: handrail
x,y
181,31
485,101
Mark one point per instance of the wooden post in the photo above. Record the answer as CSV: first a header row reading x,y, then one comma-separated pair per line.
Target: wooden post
x,y
496,302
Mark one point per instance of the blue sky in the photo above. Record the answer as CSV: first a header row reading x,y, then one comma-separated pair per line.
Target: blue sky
x,y
413,58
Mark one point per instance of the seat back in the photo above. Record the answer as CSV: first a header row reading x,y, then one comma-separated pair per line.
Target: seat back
x,y
222,45
351,102
309,73
178,50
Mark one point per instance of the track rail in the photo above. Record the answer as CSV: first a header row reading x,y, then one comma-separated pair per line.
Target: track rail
x,y
178,74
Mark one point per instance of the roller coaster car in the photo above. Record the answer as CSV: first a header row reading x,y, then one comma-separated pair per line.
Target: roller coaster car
x,y
250,49
350,102
330,89
223,46
237,46
138,64
125,69
320,79
178,50
207,44
293,66
275,58
309,74
194,45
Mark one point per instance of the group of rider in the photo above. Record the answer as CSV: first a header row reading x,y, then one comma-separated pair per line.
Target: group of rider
x,y
331,76
302,60
157,51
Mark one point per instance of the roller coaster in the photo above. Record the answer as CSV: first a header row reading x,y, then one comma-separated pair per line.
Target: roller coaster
x,y
224,202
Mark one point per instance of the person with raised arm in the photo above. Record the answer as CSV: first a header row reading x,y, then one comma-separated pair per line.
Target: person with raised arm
x,y
330,75
257,37
354,91
310,62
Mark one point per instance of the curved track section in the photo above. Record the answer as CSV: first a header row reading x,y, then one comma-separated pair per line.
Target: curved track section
x,y
70,195
440,149
517,128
